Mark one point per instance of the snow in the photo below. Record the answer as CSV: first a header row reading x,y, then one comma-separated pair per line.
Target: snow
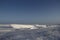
x,y
34,26
18,26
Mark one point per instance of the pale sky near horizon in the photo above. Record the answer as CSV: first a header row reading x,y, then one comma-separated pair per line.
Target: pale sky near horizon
x,y
30,11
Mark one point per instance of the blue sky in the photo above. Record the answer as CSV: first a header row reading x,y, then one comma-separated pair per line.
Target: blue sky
x,y
30,11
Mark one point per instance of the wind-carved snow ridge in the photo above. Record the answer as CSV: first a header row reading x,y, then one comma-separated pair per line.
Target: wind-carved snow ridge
x,y
53,25
18,26
43,26
35,26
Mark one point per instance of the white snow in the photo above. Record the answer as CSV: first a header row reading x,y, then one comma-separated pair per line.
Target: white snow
x,y
34,26
18,26
44,26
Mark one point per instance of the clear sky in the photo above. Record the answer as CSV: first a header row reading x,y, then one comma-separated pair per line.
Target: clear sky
x,y
30,11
